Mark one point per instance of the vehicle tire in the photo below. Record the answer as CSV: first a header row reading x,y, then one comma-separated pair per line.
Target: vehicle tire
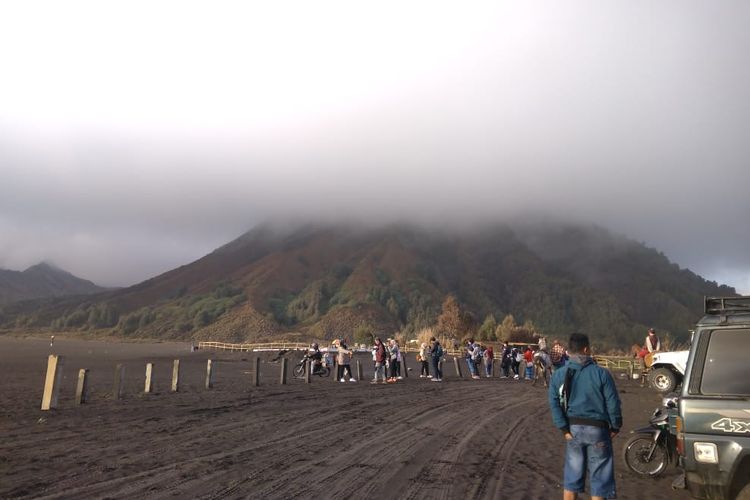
x,y
325,371
635,455
299,371
744,493
662,379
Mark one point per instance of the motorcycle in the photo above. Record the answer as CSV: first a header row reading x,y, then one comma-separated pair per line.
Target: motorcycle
x,y
321,370
653,448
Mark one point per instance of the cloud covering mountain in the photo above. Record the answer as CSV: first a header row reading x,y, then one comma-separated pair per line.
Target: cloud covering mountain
x,y
123,156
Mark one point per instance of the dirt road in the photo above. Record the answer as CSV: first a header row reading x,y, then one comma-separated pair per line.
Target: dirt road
x,y
415,439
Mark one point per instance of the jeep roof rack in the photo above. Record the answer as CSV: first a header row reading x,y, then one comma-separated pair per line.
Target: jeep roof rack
x,y
723,305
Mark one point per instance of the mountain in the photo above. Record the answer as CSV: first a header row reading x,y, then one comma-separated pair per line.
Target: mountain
x,y
41,280
332,280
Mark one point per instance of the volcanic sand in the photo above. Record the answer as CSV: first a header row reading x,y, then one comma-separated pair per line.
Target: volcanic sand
x,y
414,439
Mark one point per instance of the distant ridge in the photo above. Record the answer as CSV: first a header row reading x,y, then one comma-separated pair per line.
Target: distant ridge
x,y
327,281
40,281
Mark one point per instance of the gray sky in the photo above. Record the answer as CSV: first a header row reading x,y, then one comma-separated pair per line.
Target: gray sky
x,y
138,136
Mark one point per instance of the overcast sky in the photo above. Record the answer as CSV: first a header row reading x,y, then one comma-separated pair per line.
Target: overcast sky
x,y
138,136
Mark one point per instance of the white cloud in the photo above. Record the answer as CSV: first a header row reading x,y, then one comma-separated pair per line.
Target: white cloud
x,y
152,132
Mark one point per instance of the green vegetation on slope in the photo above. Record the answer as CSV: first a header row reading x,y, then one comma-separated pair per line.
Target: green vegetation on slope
x,y
353,282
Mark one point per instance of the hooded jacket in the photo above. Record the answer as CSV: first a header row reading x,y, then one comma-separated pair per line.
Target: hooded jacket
x,y
380,353
424,353
593,400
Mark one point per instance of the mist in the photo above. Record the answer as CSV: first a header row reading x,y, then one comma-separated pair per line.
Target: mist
x,y
137,138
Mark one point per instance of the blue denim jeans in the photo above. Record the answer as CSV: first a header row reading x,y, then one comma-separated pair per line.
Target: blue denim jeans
x,y
379,372
438,373
472,366
590,448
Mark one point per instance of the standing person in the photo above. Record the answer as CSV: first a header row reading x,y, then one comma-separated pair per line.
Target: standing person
x,y
379,355
437,354
339,360
399,356
557,355
343,361
588,414
528,357
473,357
489,358
468,356
476,359
505,360
424,358
515,361
652,341
393,360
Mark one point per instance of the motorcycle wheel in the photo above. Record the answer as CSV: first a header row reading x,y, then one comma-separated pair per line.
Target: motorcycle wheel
x,y
325,371
635,454
299,371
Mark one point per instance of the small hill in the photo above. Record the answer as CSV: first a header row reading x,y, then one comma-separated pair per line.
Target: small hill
x,y
328,281
42,280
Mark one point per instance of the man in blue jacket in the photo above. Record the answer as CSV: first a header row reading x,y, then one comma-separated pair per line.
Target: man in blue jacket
x,y
587,411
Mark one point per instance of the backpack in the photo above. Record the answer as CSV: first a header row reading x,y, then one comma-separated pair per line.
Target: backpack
x,y
566,389
439,352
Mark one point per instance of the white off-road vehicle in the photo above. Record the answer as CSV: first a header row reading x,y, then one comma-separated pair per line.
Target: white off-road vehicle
x,y
667,370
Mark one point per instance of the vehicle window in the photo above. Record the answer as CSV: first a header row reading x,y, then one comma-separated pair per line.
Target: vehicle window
x,y
726,369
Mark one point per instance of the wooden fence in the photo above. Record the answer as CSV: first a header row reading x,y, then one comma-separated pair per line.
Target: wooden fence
x,y
610,362
269,346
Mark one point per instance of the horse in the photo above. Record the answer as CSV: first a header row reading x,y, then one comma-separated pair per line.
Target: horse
x,y
542,367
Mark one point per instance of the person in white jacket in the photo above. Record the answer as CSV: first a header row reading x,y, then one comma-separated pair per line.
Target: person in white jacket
x,y
424,358
652,341
343,360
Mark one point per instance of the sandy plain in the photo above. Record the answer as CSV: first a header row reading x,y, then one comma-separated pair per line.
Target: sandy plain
x,y
491,438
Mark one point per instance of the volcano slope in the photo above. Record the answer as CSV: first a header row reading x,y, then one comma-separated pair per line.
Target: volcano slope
x,y
490,438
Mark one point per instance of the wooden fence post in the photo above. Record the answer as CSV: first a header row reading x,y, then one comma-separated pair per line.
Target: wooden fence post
x,y
308,369
257,372
403,365
457,366
82,389
283,371
52,381
117,389
149,385
209,374
359,370
175,375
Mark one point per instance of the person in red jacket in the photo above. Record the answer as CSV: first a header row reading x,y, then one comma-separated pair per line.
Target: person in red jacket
x,y
528,356
489,358
379,354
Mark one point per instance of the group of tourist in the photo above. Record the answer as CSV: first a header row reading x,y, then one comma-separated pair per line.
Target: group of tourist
x,y
511,358
388,359
388,356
